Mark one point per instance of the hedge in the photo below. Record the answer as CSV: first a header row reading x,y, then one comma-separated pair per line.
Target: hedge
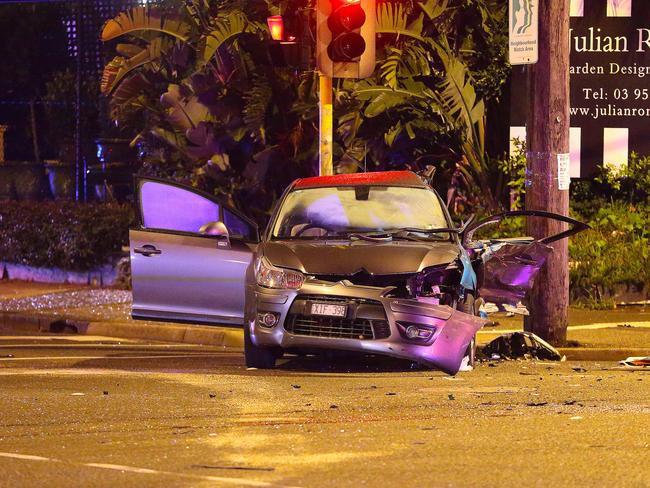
x,y
68,235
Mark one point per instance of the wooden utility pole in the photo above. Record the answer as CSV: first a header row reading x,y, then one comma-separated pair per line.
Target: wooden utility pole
x,y
547,132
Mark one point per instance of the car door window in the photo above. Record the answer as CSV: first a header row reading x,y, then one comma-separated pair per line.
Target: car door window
x,y
237,227
164,206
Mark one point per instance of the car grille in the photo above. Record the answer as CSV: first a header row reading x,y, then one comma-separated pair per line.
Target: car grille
x,y
336,299
300,322
314,325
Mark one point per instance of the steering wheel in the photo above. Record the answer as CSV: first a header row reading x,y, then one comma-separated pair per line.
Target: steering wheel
x,y
312,226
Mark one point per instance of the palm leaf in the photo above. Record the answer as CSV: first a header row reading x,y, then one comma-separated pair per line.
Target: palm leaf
x,y
256,104
227,27
459,95
433,8
388,69
393,19
120,67
392,133
131,88
144,19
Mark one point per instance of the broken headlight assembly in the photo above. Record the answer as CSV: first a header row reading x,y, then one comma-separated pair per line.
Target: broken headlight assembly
x,y
439,285
269,276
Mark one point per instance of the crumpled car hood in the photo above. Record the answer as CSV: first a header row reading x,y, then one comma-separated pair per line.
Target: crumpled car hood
x,y
348,257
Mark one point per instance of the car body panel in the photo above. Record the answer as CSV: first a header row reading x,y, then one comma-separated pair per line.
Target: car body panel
x,y
178,273
192,279
338,256
511,265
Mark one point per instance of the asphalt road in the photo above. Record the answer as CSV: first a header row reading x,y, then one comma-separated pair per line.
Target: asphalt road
x,y
82,411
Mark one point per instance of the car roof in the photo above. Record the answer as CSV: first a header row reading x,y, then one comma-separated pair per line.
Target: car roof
x,y
379,178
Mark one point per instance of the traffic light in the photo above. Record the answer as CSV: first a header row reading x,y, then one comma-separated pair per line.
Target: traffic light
x,y
345,34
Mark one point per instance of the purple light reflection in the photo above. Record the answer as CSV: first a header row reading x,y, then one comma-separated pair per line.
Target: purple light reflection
x,y
172,208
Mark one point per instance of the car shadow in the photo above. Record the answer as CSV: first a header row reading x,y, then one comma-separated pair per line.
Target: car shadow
x,y
346,363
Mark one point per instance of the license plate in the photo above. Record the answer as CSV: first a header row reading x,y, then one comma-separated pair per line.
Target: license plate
x,y
329,309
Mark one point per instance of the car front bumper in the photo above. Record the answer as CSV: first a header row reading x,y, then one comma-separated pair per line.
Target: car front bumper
x,y
367,309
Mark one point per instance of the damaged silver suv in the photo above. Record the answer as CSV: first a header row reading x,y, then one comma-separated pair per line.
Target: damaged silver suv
x,y
368,262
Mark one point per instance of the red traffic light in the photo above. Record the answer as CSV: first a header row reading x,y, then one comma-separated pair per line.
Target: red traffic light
x,y
344,22
347,16
345,38
276,27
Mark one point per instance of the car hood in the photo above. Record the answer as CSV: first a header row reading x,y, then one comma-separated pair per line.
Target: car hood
x,y
349,257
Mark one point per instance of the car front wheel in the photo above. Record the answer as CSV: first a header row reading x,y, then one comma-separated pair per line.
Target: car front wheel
x,y
258,356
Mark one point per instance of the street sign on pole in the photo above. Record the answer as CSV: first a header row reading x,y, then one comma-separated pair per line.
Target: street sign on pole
x,y
523,20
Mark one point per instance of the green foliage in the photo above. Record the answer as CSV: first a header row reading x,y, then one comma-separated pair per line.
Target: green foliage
x,y
67,235
513,168
631,182
423,104
614,253
199,90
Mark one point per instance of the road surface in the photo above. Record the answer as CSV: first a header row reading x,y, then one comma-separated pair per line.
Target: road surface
x,y
88,411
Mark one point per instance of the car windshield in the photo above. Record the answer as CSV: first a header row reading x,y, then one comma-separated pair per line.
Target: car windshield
x,y
341,211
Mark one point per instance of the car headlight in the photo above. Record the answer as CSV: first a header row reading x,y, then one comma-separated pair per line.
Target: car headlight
x,y
271,277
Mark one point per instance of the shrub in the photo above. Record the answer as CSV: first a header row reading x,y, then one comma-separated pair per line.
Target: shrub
x,y
67,235
614,252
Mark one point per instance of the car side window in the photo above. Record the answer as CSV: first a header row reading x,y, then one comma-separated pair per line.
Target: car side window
x,y
236,226
165,206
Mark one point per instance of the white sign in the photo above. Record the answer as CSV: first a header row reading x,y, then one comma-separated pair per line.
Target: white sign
x,y
523,21
563,173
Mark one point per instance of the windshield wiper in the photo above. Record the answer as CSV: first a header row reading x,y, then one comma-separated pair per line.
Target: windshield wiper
x,y
372,237
428,231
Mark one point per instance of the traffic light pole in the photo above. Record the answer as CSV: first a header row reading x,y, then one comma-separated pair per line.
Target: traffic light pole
x,y
325,142
547,130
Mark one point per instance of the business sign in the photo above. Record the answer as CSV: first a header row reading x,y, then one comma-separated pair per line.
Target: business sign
x,y
610,84
522,38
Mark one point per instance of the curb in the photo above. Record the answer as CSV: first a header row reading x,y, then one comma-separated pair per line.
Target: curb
x,y
230,338
602,354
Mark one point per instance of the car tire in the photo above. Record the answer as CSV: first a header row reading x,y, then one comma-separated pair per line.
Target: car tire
x,y
259,357
468,306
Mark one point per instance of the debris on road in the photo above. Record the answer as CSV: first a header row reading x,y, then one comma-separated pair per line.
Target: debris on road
x,y
238,468
451,397
579,369
536,404
636,363
521,345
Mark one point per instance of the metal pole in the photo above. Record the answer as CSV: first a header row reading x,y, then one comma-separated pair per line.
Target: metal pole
x,y
77,107
325,143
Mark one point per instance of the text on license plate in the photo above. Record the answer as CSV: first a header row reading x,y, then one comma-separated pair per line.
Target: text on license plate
x,y
329,309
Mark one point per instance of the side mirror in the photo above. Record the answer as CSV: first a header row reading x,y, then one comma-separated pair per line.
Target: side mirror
x,y
217,229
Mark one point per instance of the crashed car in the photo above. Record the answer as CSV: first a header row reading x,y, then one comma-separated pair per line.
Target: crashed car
x,y
367,262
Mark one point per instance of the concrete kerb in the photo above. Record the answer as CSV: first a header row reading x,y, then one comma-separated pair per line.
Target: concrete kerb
x,y
229,338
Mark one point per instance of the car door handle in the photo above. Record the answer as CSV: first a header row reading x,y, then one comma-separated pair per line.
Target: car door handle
x,y
147,250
